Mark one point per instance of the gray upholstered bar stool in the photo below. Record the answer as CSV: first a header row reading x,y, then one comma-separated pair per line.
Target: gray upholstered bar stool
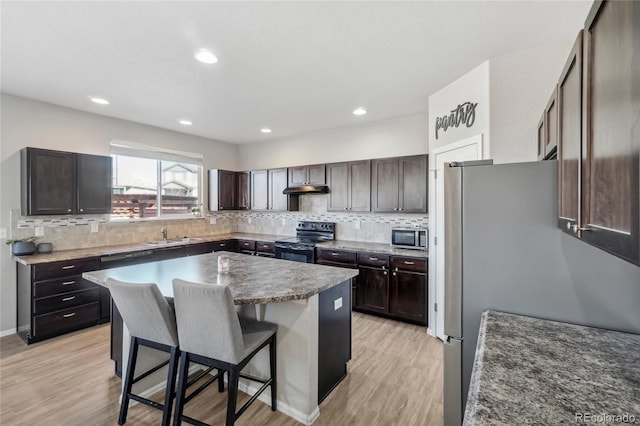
x,y
151,322
211,334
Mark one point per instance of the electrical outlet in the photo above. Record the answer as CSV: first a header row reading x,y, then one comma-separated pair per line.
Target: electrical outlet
x,y
212,220
94,226
416,225
3,232
249,220
284,221
357,224
39,231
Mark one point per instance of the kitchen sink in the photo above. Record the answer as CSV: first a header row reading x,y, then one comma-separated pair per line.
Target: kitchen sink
x,y
184,240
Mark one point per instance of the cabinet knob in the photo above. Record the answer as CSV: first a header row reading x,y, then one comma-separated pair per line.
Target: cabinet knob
x,y
68,210
385,272
81,210
394,274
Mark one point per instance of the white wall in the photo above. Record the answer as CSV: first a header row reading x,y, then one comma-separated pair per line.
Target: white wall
x,y
26,122
472,87
386,138
520,86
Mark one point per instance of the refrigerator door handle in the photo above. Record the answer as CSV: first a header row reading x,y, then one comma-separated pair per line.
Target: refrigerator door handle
x,y
453,251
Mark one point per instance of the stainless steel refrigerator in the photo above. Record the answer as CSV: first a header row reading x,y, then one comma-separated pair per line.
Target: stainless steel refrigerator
x,y
504,251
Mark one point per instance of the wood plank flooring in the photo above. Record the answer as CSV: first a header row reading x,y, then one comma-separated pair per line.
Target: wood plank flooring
x,y
394,378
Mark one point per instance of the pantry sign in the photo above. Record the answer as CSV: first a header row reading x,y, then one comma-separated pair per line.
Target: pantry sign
x,y
463,114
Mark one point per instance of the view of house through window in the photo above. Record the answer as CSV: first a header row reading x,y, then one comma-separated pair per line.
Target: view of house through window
x,y
144,188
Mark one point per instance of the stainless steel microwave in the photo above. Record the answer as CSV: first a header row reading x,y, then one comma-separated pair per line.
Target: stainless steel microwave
x,y
409,238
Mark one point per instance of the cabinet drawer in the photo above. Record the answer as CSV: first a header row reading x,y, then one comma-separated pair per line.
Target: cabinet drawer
x,y
337,256
373,259
200,248
61,269
61,285
227,245
67,319
246,245
265,247
65,301
409,264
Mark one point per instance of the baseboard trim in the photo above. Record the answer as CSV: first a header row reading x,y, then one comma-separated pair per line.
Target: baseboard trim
x,y
8,332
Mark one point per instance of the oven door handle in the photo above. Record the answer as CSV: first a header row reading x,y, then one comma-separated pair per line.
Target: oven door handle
x,y
294,248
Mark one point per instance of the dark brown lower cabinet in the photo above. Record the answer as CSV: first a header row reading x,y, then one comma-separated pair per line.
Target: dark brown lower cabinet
x,y
341,259
54,299
408,296
373,290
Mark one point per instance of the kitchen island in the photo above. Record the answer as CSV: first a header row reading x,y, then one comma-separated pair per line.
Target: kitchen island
x,y
310,303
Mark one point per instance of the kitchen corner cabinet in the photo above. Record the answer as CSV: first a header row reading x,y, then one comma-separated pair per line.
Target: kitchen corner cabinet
x,y
608,197
266,191
399,184
350,184
58,182
307,175
54,299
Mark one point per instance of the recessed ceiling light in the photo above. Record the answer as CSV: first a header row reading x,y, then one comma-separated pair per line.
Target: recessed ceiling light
x,y
265,130
359,111
205,56
100,101
185,122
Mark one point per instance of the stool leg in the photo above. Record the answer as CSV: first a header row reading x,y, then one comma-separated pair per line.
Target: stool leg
x,y
128,380
234,376
170,390
221,381
183,372
274,373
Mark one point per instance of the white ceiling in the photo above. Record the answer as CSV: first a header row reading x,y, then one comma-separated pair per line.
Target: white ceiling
x,y
295,67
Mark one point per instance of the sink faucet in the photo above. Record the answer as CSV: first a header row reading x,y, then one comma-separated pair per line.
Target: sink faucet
x,y
164,233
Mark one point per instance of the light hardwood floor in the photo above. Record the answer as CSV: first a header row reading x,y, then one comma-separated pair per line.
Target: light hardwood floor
x,y
394,378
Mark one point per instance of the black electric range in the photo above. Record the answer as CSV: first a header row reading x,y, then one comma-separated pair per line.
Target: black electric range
x,y
301,248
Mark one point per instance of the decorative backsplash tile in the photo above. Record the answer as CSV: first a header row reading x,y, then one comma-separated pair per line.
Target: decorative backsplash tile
x,y
68,232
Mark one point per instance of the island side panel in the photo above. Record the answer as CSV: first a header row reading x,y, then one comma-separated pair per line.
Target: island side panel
x,y
297,356
334,337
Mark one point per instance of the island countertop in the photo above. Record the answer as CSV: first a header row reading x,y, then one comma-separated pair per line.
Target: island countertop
x,y
252,279
534,371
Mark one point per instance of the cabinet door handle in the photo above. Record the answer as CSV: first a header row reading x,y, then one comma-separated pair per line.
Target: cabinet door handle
x,y
81,210
66,299
68,282
385,272
69,267
394,274
69,315
222,245
335,254
373,258
406,262
68,210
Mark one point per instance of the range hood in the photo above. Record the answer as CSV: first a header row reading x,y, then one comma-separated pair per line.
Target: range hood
x,y
306,189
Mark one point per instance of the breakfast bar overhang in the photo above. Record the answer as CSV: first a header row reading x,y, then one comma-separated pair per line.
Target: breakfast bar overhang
x,y
310,303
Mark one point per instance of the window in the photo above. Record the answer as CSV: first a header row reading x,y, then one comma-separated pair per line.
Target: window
x,y
150,182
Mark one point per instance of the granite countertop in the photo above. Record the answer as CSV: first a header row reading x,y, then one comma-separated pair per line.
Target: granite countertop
x,y
357,246
252,279
533,371
63,255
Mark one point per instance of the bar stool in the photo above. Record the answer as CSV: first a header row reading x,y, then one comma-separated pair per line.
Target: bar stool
x,y
211,334
151,322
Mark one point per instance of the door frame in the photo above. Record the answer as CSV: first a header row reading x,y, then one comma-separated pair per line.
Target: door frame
x,y
436,283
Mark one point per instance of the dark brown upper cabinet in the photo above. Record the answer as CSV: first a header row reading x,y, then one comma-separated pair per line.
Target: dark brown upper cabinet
x,y
350,184
570,139
611,129
548,129
243,190
599,132
57,182
94,184
266,191
399,184
307,175
222,190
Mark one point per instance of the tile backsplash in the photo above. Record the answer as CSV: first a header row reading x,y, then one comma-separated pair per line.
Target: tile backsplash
x,y
69,232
